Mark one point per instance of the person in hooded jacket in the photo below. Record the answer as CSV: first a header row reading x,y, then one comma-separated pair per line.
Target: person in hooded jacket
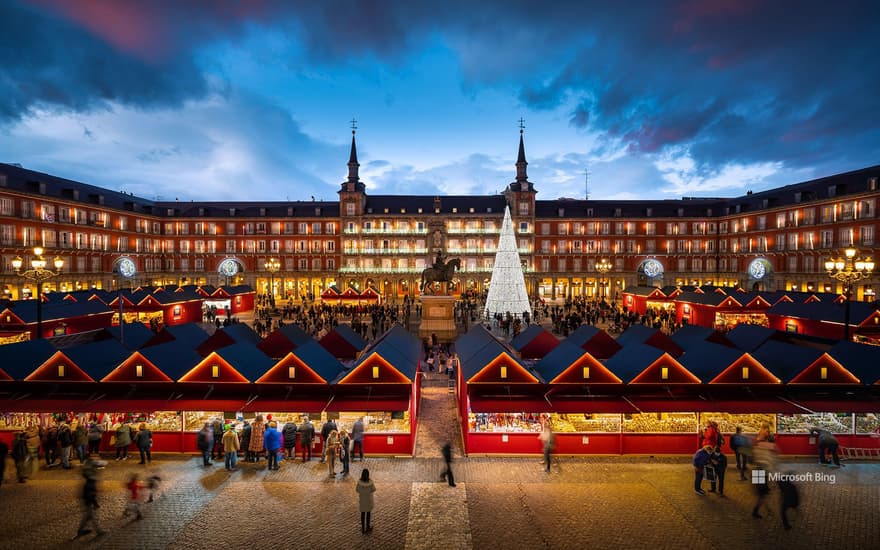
x,y
144,440
96,432
258,430
205,441
288,433
80,441
272,440
65,439
123,440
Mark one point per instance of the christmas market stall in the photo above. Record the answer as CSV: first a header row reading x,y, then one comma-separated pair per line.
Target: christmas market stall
x,y
343,342
500,400
283,340
382,387
534,342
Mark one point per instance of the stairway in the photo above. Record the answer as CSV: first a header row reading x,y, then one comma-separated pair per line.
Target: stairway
x,y
438,421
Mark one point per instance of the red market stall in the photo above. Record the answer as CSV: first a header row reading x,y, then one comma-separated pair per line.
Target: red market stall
x,y
597,342
383,387
534,343
343,342
58,318
500,400
282,341
640,298
331,294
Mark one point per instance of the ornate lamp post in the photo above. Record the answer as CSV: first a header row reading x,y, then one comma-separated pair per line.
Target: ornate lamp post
x,y
848,269
272,266
38,273
603,267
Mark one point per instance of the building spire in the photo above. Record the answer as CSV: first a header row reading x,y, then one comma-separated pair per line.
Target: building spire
x,y
353,164
522,177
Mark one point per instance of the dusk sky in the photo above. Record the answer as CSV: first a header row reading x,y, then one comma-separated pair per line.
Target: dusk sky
x,y
251,100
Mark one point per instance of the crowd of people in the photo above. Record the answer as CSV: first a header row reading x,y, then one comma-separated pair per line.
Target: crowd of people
x,y
755,459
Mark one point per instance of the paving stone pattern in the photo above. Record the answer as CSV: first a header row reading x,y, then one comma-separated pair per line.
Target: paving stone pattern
x,y
508,503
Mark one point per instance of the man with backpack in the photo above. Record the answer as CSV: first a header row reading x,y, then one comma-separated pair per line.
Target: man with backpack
x,y
65,439
741,446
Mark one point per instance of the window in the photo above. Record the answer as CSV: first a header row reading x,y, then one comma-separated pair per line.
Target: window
x,y
545,229
523,227
866,235
523,208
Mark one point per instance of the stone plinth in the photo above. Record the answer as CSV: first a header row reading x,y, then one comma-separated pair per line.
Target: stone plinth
x,y
438,317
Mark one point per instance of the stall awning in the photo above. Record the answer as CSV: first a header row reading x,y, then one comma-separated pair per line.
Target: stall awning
x,y
306,405
373,404
509,404
769,405
587,405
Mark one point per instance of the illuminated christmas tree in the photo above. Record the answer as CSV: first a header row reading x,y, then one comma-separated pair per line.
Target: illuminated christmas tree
x,y
507,288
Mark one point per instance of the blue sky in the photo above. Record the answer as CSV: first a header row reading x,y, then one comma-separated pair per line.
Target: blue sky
x,y
251,100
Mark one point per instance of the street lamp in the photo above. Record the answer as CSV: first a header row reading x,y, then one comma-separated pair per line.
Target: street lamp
x,y
272,266
849,269
603,267
38,273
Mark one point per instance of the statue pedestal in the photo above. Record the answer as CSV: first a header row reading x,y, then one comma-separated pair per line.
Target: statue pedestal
x,y
438,318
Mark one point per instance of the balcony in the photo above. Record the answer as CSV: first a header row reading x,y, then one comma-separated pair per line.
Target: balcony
x,y
476,231
388,231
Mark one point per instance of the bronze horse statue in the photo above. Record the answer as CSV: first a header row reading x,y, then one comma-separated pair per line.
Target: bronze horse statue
x,y
444,274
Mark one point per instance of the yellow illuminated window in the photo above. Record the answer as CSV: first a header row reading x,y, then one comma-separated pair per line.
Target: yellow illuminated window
x,y
139,371
291,372
215,371
586,372
60,371
503,372
375,372
823,373
664,373
745,373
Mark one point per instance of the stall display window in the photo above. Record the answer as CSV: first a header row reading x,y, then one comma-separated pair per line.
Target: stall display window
x,y
157,421
586,423
20,421
660,422
868,423
376,421
750,423
505,422
837,423
194,421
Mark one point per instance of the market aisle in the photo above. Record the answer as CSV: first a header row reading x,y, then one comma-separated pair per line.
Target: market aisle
x,y
438,517
437,418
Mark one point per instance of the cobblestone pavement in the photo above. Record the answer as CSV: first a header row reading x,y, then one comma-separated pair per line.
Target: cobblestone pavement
x,y
624,502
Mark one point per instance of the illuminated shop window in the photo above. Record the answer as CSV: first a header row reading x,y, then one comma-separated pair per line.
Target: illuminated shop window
x,y
745,373
664,373
60,371
375,372
139,371
215,371
823,373
503,372
586,372
291,372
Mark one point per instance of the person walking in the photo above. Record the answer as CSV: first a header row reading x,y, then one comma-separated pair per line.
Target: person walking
x,y
205,442
446,451
96,432
288,434
50,445
123,440
134,487
548,440
306,437
365,489
719,464
357,437
331,450
22,457
328,427
89,501
231,445
33,437
765,459
827,444
742,447
258,431
144,440
700,461
344,450
272,444
789,499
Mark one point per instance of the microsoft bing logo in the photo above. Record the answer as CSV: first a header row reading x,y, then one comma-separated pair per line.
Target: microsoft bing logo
x,y
759,477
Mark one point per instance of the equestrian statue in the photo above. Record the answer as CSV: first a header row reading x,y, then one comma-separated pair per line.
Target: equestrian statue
x,y
441,272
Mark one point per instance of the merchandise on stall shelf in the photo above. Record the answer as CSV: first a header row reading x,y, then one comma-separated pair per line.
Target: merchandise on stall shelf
x,y
868,423
838,423
750,423
660,423
193,421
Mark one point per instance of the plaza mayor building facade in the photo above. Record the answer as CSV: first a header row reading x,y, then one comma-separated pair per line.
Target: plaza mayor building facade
x,y
778,239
